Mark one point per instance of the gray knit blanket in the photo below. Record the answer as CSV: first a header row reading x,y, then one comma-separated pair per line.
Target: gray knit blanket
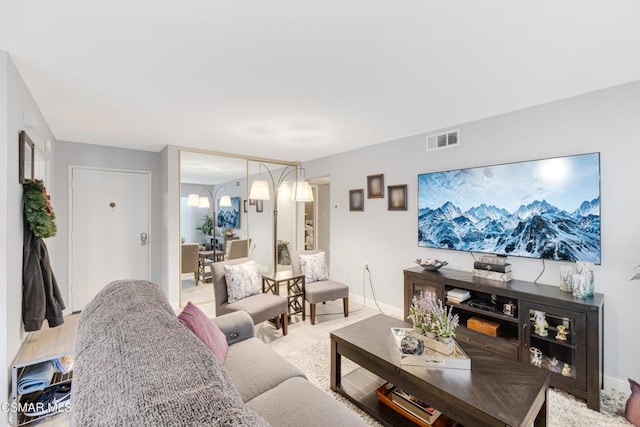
x,y
137,365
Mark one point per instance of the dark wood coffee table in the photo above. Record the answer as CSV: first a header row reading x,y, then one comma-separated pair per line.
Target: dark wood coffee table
x,y
494,392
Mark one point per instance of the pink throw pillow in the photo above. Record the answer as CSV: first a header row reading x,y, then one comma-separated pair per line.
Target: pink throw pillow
x,y
198,322
632,410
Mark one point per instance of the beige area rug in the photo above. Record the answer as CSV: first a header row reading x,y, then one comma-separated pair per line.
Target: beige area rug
x,y
565,410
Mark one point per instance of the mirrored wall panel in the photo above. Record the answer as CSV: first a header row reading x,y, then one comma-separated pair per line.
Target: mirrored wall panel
x,y
218,220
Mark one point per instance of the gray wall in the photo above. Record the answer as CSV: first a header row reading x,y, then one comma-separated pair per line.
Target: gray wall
x,y
605,121
15,102
169,269
73,154
323,220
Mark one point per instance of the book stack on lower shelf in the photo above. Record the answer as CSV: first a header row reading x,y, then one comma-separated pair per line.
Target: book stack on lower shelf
x,y
407,405
493,268
458,296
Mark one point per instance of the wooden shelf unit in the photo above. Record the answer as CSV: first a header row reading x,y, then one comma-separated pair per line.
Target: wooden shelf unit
x,y
585,315
42,346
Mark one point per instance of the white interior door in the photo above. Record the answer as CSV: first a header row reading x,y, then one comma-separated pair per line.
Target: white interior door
x,y
109,230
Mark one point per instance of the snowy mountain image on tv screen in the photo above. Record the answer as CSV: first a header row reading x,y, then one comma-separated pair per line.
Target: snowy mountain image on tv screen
x,y
541,209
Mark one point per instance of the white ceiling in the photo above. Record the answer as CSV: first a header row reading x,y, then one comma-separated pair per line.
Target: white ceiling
x,y
210,169
302,79
206,169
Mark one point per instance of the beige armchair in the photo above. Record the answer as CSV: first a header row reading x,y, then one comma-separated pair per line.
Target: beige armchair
x,y
189,260
238,248
321,291
261,307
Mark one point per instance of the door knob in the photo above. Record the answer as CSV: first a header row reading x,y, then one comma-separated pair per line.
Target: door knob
x,y
144,238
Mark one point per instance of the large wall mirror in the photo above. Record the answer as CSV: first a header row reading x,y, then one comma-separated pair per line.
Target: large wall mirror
x,y
279,213
218,221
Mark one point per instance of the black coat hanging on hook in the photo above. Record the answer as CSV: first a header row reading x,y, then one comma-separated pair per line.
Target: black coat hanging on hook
x,y
41,298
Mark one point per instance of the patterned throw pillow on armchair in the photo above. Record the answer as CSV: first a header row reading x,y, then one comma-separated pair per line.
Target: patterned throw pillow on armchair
x,y
314,267
242,280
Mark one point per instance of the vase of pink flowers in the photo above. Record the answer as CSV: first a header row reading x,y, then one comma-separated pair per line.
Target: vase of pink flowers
x,y
444,322
434,320
420,313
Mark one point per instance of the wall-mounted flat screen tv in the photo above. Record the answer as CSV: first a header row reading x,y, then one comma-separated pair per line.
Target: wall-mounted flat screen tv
x,y
546,209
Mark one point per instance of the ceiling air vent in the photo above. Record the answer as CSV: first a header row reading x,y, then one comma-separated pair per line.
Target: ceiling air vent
x,y
443,140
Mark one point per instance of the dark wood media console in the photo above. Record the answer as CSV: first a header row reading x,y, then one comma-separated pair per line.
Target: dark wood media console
x,y
574,363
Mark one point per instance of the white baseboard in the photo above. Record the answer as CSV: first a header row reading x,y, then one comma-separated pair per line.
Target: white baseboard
x,y
616,384
387,309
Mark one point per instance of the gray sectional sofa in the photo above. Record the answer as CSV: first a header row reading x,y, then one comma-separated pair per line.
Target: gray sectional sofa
x,y
136,364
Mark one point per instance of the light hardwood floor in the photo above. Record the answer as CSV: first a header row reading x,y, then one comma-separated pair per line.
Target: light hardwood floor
x,y
196,294
300,334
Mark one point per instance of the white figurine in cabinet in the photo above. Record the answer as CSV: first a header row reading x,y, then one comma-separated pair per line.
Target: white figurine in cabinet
x,y
536,357
540,323
566,370
562,333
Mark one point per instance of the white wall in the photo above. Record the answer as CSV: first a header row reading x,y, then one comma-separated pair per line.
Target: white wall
x,y
169,214
191,216
15,102
4,213
235,188
287,215
261,223
605,121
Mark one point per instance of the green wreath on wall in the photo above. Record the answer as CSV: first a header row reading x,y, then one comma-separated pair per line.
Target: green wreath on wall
x,y
38,210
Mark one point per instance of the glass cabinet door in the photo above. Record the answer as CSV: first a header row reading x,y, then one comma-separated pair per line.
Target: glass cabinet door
x,y
414,284
554,341
424,287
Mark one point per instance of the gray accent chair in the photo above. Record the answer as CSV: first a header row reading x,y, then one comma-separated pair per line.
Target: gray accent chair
x,y
260,307
321,291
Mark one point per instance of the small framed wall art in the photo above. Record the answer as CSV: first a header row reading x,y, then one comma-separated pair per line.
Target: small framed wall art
x,y
356,200
259,205
375,186
245,204
397,197
26,155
